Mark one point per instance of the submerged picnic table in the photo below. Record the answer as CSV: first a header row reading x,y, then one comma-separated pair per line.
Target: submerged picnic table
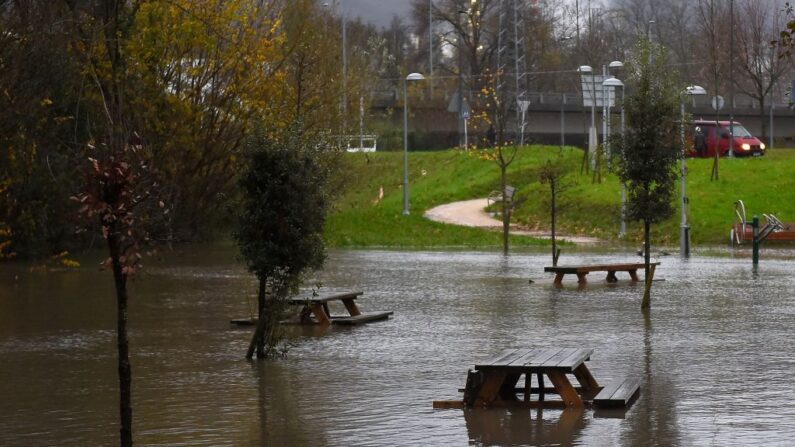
x,y
494,381
582,270
317,306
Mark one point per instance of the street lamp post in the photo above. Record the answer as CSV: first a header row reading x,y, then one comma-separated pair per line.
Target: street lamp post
x,y
411,77
684,229
587,70
588,75
610,88
612,82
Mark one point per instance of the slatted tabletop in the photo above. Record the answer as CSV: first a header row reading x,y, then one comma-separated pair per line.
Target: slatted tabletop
x,y
326,297
597,267
537,359
582,271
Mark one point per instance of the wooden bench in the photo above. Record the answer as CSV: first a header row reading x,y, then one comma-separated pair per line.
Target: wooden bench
x,y
582,270
618,393
317,306
497,196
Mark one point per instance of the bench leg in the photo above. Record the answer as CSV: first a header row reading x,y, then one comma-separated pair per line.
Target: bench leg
x,y
489,391
611,276
527,386
540,387
633,274
350,305
565,389
559,278
590,387
305,317
581,278
320,314
325,309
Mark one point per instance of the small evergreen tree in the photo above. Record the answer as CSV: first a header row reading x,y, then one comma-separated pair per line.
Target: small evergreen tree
x,y
650,146
280,229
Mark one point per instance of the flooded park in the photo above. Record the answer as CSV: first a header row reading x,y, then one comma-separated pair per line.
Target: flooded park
x,y
714,356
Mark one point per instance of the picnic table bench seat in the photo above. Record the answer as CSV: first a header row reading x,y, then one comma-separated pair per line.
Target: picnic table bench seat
x,y
364,317
618,393
582,270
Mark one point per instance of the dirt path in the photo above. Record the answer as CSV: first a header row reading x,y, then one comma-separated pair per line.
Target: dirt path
x,y
471,213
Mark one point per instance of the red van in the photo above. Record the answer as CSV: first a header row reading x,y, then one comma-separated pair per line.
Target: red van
x,y
711,136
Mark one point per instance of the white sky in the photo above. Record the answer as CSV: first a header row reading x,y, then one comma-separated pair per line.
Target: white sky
x,y
378,12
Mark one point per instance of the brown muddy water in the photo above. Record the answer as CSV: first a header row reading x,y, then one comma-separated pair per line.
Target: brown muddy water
x,y
716,357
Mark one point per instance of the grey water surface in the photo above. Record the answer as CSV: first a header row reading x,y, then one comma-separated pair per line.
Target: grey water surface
x,y
715,356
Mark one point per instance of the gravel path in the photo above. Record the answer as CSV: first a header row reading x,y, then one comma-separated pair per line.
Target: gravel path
x,y
471,213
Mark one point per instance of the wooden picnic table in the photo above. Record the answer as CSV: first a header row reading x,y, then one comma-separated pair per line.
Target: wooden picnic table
x,y
494,381
582,270
318,307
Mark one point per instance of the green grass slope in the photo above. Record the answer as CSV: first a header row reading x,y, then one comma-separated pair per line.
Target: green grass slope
x,y
359,219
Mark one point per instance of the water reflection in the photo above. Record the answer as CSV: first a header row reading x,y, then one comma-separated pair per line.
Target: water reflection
x,y
524,427
715,355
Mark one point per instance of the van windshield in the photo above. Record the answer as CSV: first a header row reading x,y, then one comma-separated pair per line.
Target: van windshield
x,y
741,132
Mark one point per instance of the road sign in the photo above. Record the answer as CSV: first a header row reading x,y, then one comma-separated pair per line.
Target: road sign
x,y
717,102
465,109
593,93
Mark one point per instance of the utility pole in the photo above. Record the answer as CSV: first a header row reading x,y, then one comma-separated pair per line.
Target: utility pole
x,y
344,70
430,44
731,78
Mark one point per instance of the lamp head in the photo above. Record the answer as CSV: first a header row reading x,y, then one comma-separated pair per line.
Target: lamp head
x,y
415,77
616,64
612,82
585,69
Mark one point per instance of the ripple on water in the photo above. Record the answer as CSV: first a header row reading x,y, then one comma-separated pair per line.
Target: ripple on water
x,y
715,356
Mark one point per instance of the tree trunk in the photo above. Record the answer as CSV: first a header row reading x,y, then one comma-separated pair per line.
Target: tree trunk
x,y
763,121
258,339
646,302
122,342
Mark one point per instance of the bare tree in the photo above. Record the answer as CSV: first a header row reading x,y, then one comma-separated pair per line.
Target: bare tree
x,y
760,64
714,24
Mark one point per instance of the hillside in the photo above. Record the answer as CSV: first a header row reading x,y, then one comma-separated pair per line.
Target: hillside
x,y
359,218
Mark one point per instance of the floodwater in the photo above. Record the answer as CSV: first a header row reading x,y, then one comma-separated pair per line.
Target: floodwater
x,y
715,358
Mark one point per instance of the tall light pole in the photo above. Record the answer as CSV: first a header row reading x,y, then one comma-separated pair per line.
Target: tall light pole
x,y
430,44
772,87
344,70
684,229
607,89
586,70
731,78
411,77
612,82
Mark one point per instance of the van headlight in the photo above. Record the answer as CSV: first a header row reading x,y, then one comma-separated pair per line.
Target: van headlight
x,y
746,147
762,146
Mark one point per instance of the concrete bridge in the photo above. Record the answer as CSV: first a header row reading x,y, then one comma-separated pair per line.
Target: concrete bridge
x,y
560,118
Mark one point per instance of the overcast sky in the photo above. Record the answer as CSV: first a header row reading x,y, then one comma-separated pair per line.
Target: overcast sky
x,y
378,12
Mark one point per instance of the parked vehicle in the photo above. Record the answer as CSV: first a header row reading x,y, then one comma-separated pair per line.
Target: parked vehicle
x,y
712,136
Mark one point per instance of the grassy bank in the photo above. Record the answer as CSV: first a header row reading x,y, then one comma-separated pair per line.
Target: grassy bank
x,y
359,218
